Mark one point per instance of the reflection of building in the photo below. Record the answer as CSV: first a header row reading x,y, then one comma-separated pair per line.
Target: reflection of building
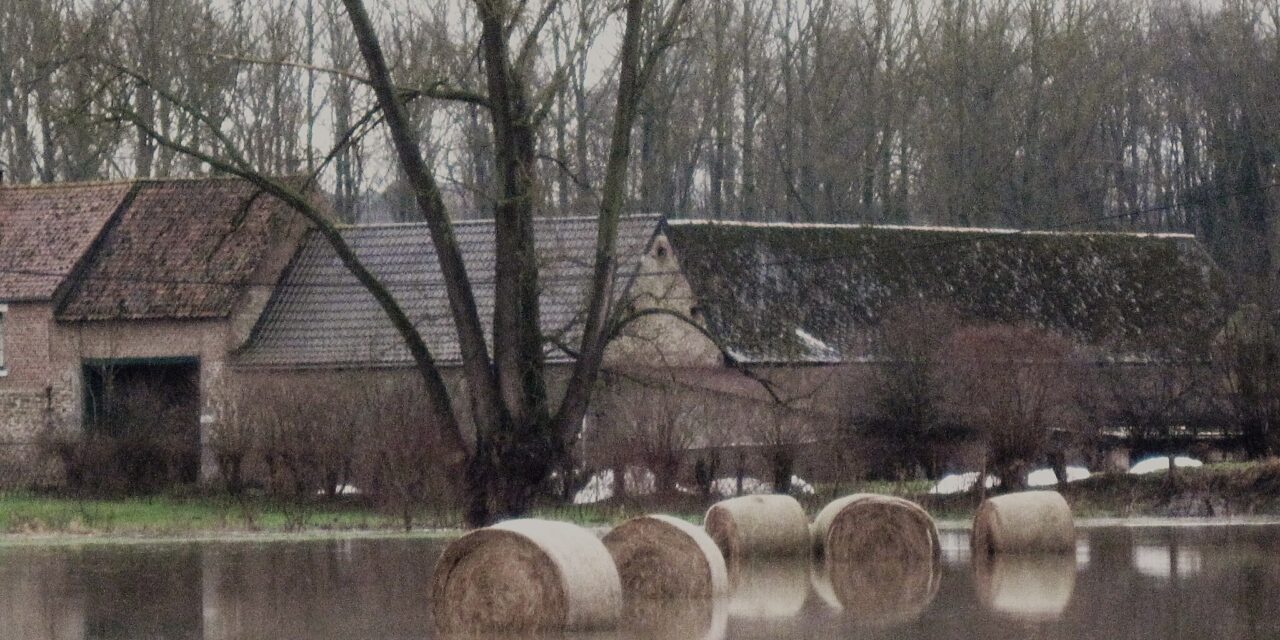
x,y
40,598
331,589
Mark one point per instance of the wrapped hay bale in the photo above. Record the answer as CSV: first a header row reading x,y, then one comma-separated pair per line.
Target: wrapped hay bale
x,y
758,526
765,588
662,558
1027,522
1035,588
868,527
526,575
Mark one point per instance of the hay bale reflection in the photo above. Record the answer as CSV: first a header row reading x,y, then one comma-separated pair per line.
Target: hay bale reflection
x,y
676,620
1024,586
768,588
879,593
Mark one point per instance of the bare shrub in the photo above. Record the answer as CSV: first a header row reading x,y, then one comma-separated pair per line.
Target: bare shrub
x,y
401,456
653,424
308,431
1246,358
906,423
138,444
233,438
1015,386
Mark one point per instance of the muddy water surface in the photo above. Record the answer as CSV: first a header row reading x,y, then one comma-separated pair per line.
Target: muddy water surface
x,y
1142,583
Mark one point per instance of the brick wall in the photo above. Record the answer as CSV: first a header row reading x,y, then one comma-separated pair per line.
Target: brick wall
x,y
206,341
26,348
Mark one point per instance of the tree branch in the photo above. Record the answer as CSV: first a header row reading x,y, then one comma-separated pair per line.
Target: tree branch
x,y
462,303
437,392
616,332
595,332
439,90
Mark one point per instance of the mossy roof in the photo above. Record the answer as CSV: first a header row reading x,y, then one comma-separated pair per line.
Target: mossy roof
x,y
816,293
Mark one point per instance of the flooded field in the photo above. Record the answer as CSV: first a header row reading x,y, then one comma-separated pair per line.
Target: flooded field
x,y
1146,582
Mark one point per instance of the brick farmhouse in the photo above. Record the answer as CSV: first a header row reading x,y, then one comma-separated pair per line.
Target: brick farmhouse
x,y
770,329
148,282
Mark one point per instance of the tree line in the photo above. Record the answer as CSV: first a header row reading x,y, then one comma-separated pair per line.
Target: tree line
x,y
1030,113
1136,114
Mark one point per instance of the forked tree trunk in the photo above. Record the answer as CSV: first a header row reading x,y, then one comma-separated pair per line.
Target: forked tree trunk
x,y
519,441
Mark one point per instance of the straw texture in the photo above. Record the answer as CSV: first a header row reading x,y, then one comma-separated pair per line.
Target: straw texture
x,y
526,575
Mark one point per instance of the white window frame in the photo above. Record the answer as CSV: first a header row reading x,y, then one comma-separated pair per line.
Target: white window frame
x,y
4,364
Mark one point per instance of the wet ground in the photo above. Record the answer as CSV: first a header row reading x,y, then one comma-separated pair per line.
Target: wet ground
x,y
1149,582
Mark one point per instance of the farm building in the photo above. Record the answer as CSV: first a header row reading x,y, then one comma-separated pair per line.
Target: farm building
x,y
768,331
735,341
112,292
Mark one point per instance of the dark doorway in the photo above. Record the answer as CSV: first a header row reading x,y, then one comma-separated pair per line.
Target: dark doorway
x,y
143,420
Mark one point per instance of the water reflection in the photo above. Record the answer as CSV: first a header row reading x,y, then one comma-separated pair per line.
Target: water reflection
x,y
39,598
1141,584
1031,587
768,588
664,620
1167,561
877,594
338,589
955,545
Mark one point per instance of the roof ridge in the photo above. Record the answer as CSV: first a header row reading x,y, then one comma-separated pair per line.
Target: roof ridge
x,y
939,228
50,186
489,221
113,182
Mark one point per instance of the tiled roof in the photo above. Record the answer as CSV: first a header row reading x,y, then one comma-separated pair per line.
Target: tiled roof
x,y
816,293
321,316
182,249
45,230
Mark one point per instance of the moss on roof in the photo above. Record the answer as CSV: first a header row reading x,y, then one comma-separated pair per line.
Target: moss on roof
x,y
779,293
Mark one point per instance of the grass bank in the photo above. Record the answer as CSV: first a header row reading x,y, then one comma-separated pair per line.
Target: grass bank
x,y
179,514
1226,490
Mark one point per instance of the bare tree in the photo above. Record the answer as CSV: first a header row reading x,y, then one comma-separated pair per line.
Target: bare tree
x,y
655,423
520,434
906,417
1247,364
1156,401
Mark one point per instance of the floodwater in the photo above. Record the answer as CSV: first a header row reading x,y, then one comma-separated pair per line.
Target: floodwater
x,y
1124,582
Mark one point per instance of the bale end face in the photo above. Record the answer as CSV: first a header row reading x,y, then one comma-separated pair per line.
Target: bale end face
x,y
525,576
880,558
866,528
663,558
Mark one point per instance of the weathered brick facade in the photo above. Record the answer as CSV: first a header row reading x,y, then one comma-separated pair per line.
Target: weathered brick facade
x,y
146,271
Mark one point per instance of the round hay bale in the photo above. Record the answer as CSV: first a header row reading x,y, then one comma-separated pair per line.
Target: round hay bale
x,y
526,575
867,527
879,593
1035,588
676,619
758,526
1027,522
663,558
768,587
